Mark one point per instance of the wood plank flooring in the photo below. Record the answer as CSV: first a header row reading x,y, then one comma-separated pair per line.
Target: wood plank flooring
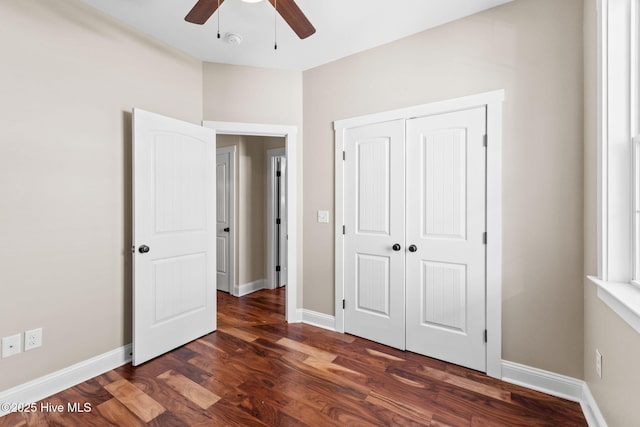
x,y
257,370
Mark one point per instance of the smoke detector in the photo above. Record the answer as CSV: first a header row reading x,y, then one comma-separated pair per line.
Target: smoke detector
x,y
233,39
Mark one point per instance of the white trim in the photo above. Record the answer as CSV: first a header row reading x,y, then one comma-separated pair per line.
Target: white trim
x,y
544,381
493,102
320,320
622,298
232,214
63,379
271,209
590,408
635,276
557,385
290,135
439,107
617,125
494,237
247,288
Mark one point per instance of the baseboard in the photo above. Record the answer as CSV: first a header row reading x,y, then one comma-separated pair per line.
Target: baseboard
x,y
55,382
590,409
320,320
547,382
556,385
247,288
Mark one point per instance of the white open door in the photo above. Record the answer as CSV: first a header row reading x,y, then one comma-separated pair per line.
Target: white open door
x,y
225,176
374,233
174,236
282,214
445,227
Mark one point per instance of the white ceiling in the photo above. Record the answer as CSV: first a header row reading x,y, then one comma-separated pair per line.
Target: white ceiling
x,y
344,27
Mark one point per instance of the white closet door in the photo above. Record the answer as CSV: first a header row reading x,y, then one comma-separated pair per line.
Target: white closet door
x,y
374,220
445,276
174,282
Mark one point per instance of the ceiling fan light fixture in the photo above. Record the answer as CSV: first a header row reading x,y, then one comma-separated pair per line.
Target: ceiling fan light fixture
x,y
252,1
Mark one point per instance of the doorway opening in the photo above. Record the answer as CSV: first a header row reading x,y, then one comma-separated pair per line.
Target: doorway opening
x,y
256,140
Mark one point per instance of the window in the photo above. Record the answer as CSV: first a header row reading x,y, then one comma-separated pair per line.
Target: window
x,y
636,211
618,279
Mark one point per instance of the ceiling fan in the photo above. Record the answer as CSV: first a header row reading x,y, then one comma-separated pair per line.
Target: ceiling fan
x,y
288,9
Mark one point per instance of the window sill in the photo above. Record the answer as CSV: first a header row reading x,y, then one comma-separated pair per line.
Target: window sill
x,y
622,298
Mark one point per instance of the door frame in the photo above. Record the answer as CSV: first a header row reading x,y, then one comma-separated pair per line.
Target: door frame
x,y
289,133
493,103
231,150
271,208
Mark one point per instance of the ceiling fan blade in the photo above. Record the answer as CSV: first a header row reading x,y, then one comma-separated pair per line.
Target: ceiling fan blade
x,y
202,11
292,14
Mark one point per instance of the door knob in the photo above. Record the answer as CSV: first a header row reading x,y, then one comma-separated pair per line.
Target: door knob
x,y
144,249
226,229
396,247
413,248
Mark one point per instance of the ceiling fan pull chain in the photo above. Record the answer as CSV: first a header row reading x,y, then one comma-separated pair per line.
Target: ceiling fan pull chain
x,y
275,25
218,18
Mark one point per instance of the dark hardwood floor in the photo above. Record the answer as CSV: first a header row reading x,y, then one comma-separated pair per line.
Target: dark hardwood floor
x,y
257,370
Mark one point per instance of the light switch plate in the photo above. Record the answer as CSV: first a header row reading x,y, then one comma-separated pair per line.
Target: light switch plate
x,y
11,345
323,217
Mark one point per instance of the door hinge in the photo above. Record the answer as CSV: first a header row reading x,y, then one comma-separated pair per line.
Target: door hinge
x,y
344,229
277,268
278,174
485,140
277,221
484,238
485,335
344,155
344,304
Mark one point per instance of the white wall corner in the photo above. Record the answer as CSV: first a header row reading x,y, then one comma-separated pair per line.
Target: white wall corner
x,y
55,382
320,320
555,385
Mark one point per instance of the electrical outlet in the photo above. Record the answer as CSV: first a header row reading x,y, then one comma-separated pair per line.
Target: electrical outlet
x,y
11,345
598,363
32,339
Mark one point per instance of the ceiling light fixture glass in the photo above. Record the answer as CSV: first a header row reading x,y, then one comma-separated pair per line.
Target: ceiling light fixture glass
x,y
252,1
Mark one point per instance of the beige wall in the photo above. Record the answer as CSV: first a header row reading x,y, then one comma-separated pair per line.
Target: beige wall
x,y
234,93
68,81
251,199
533,50
617,391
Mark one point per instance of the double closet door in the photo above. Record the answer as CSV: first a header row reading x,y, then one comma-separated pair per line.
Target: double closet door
x,y
414,244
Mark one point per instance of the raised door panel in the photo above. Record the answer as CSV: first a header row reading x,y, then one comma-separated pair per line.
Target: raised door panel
x,y
179,183
373,161
373,285
444,159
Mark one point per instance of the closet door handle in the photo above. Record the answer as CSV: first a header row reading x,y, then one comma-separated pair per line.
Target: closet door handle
x,y
396,247
413,248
